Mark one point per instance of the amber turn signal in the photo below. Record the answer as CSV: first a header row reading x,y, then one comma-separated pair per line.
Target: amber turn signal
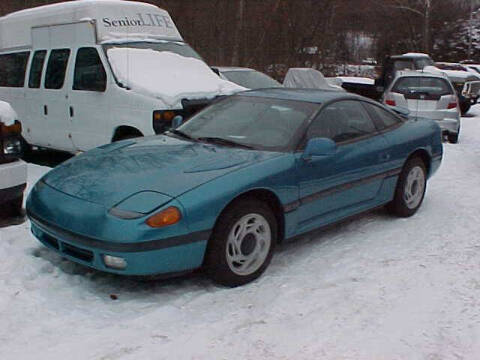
x,y
12,129
167,217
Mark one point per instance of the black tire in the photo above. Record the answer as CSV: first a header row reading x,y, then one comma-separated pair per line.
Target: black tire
x,y
13,207
216,258
464,107
398,206
452,138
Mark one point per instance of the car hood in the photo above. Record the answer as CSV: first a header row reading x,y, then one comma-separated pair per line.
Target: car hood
x,y
160,164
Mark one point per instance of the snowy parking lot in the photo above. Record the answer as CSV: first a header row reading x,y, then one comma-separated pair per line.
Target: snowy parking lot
x,y
375,287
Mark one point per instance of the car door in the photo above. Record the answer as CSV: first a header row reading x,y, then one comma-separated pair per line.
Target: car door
x,y
88,100
336,186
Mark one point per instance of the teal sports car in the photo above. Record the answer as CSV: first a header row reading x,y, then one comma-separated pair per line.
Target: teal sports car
x,y
223,189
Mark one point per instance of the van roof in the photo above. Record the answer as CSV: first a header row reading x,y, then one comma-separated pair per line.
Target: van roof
x,y
115,19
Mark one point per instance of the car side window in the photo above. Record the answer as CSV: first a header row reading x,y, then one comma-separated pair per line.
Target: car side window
x,y
36,69
89,74
384,118
56,68
342,121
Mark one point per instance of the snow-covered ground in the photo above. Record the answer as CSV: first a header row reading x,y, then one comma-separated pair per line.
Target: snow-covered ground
x,y
376,287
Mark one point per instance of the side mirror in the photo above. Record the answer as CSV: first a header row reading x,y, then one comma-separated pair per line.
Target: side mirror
x,y
177,121
319,147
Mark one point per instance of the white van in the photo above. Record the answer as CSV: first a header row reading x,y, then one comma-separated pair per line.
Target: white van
x,y
84,73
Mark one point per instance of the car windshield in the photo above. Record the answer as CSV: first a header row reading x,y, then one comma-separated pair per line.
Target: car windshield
x,y
425,85
251,79
176,47
254,122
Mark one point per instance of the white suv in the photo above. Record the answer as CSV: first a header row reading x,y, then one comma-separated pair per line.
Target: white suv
x,y
426,95
13,171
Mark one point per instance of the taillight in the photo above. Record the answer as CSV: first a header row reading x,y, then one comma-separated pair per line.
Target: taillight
x,y
452,105
390,102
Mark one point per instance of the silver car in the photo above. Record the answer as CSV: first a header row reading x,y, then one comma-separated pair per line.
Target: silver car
x,y
426,95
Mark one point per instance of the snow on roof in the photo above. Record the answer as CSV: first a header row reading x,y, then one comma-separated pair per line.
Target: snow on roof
x,y
167,76
420,73
113,18
356,80
308,78
7,114
453,75
414,54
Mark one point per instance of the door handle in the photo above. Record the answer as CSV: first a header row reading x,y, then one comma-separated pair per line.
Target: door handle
x,y
384,157
45,109
71,111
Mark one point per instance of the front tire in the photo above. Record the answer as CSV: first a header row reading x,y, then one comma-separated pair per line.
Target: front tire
x,y
410,190
13,207
242,243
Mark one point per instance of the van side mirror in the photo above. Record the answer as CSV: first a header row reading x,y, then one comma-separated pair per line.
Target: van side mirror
x,y
319,147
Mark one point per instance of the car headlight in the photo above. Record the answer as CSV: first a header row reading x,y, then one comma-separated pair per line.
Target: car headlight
x,y
12,146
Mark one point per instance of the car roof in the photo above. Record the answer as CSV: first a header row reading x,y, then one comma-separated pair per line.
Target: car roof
x,y
305,95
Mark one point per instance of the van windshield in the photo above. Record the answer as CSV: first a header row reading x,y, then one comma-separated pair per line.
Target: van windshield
x,y
176,47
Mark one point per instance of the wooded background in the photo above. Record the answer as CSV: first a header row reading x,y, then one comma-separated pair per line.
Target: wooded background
x,y
271,35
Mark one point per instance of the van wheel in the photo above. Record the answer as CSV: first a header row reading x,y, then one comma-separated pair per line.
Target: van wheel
x,y
242,243
124,133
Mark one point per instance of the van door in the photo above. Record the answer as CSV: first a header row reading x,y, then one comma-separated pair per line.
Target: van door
x,y
89,108
55,100
61,39
35,127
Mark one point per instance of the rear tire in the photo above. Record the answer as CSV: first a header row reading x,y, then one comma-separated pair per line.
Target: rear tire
x,y
410,190
453,138
464,107
242,243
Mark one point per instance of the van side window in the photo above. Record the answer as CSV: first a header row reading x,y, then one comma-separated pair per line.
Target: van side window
x,y
13,68
89,71
56,68
36,69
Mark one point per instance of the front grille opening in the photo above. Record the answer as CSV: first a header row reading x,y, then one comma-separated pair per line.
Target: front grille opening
x,y
50,241
81,254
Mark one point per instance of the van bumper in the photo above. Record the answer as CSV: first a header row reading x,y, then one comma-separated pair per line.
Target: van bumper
x,y
13,179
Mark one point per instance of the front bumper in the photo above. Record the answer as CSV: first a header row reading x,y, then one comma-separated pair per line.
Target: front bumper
x,y
13,174
142,259
84,232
